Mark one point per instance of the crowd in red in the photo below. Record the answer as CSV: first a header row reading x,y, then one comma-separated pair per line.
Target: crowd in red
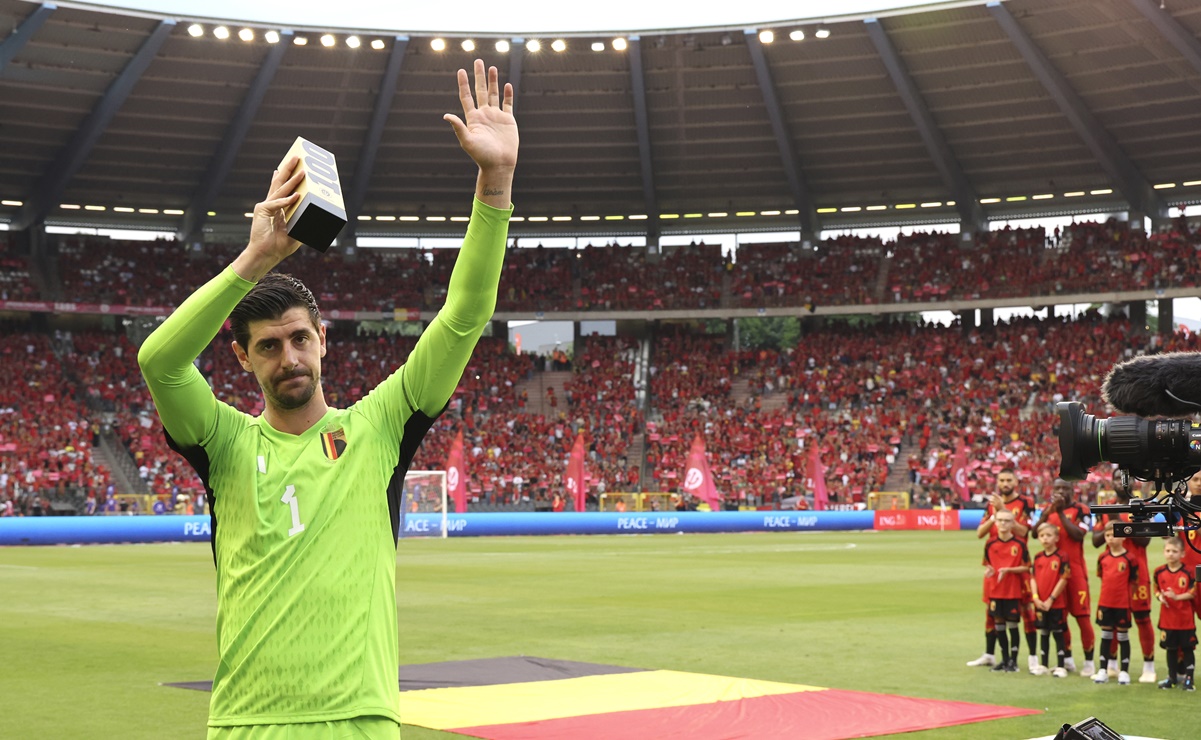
x,y
841,270
47,437
859,396
16,282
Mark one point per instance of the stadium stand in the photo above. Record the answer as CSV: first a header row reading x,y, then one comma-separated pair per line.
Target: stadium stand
x,y
870,397
1085,258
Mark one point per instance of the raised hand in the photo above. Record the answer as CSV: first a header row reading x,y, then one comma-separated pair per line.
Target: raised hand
x,y
488,130
269,242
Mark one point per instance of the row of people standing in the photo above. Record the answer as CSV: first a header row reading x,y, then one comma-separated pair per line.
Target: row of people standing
x,y
1014,582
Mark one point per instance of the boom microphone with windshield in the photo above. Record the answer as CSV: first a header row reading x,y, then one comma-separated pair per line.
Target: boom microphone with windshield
x,y
1156,385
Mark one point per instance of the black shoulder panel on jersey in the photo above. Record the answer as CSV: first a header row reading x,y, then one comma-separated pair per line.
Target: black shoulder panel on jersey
x,y
415,430
199,460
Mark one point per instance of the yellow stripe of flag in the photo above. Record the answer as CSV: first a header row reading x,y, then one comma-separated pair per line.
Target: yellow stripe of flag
x,y
472,706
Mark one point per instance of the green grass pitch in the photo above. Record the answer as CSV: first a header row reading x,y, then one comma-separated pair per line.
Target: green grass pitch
x,y
89,633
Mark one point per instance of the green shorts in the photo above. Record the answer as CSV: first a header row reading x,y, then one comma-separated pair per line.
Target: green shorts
x,y
358,728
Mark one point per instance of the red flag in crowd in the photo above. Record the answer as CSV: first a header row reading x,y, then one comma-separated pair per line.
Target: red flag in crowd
x,y
456,479
698,480
959,473
575,473
817,472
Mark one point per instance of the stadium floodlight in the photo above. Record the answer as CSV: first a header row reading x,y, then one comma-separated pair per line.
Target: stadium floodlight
x,y
93,208
1101,191
300,40
272,37
468,45
246,34
122,209
221,32
13,203
559,45
424,503
438,44
598,45
766,37
328,40
502,46
353,42
150,211
620,44
377,44
797,35
822,33
69,206
533,46
195,30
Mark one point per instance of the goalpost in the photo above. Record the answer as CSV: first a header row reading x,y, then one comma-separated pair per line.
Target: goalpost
x,y
424,493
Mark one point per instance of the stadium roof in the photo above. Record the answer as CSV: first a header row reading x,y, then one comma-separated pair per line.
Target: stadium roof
x,y
965,112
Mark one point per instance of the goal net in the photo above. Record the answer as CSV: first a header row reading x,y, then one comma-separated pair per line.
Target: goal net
x,y
423,504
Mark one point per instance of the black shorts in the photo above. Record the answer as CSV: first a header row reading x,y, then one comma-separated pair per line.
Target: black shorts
x,y
1052,620
1118,619
1005,610
1178,639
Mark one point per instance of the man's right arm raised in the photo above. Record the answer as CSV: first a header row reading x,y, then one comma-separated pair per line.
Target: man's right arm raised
x,y
186,405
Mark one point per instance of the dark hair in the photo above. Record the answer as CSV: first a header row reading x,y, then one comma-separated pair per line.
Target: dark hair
x,y
1007,469
270,298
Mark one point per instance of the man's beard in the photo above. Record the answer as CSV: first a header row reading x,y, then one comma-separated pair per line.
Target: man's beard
x,y
295,398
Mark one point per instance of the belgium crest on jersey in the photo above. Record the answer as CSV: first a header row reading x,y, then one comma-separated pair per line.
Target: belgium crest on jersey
x,y
333,442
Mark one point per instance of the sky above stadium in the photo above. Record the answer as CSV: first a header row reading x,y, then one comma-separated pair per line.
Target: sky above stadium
x,y
529,17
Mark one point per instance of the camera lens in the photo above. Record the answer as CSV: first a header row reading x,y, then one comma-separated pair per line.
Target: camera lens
x,y
1152,449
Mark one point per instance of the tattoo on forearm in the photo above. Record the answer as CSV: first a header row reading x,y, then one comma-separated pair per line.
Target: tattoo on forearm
x,y
492,191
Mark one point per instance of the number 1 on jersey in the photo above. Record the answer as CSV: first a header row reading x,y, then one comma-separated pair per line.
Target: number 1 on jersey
x,y
289,498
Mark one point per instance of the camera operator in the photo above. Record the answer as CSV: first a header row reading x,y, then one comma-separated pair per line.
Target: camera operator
x,y
1071,518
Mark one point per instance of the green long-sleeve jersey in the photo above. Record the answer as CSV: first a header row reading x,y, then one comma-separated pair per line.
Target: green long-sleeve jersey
x,y
304,526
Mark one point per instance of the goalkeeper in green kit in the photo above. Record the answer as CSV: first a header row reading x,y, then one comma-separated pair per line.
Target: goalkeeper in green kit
x,y
305,499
